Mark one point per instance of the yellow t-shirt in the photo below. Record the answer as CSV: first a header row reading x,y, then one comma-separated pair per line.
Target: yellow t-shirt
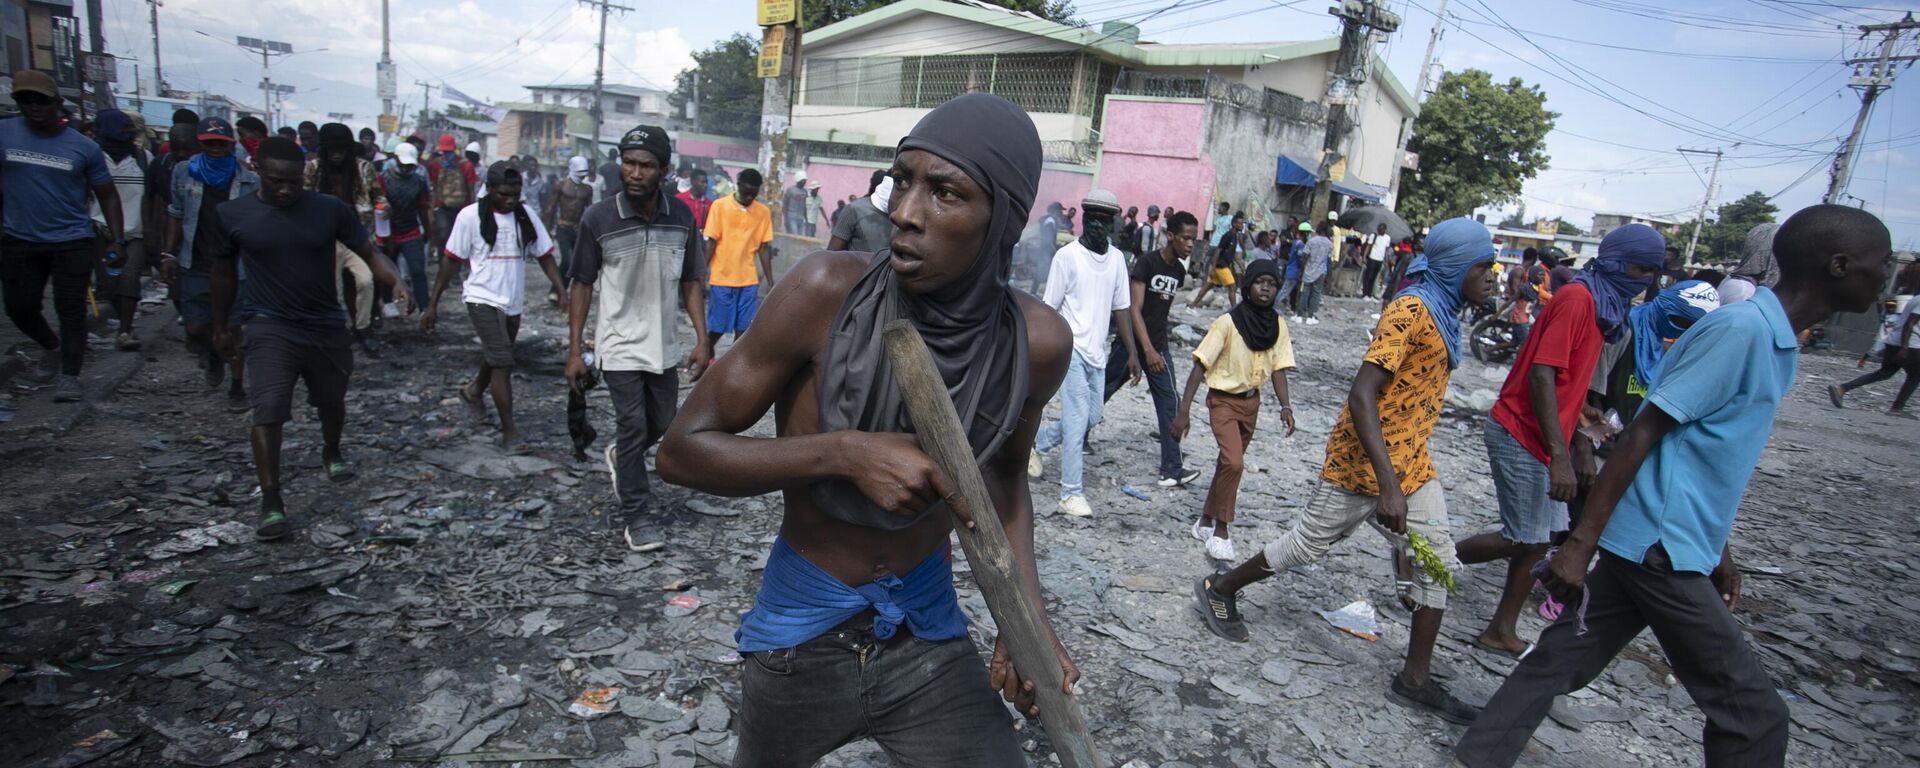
x,y
1234,368
1407,345
741,231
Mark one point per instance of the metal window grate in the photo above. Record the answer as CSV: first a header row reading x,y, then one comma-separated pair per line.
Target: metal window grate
x,y
1037,82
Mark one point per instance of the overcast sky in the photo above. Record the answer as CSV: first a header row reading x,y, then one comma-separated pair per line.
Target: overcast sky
x,y
1706,74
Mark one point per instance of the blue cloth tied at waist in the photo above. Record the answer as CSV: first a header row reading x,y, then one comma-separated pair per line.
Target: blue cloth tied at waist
x,y
799,602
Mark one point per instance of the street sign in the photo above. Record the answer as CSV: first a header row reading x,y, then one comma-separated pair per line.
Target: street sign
x,y
389,123
777,12
385,85
1410,161
775,52
101,68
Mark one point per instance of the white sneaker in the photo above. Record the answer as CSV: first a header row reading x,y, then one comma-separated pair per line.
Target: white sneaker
x,y
1034,465
1376,315
1313,321
1295,319
1202,530
1076,506
1175,482
1220,549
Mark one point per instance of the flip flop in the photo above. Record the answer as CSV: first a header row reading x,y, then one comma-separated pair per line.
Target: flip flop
x,y
473,401
272,525
1550,608
339,471
1500,651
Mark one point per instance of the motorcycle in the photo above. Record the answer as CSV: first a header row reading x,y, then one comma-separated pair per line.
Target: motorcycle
x,y
1494,339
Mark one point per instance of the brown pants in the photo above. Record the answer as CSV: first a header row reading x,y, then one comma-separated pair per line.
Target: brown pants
x,y
1232,418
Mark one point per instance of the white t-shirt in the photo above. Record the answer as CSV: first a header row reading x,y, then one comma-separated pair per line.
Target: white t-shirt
x,y
496,276
1380,245
1890,327
1087,288
131,183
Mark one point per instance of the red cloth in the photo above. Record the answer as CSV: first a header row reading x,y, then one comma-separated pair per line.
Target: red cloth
x,y
466,169
1567,338
699,207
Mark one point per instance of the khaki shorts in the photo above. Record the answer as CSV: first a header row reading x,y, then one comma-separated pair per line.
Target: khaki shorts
x,y
1334,513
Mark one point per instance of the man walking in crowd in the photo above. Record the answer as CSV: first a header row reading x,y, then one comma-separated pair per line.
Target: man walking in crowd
x,y
309,134
1378,245
494,238
571,196
1661,513
740,233
199,185
534,190
695,197
409,214
793,206
1087,285
1319,254
863,228
609,172
1528,434
1296,261
1244,347
813,210
250,131
1226,261
46,172
453,178
1377,467
1899,350
123,263
1756,268
864,527
337,169
642,252
1154,279
370,148
284,236
1152,237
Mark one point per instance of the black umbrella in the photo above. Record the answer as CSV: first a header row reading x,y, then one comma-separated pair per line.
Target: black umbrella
x,y
1366,219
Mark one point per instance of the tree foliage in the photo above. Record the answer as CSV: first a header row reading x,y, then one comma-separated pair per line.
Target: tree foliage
x,y
815,14
1478,142
730,87
1727,233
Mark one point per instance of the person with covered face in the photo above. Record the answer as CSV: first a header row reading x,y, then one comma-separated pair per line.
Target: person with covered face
x,y
212,177
1377,468
1087,285
337,169
857,631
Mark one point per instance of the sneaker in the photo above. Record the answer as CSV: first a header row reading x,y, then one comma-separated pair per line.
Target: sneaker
x,y
1076,506
66,389
126,342
1220,549
1835,394
1202,530
216,370
613,470
1313,321
1295,319
1186,476
1376,315
1222,612
48,368
237,401
642,535
1434,698
1035,465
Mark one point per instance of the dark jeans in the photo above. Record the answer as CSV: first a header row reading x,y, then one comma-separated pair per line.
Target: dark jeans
x,y
564,239
25,268
1909,362
925,703
413,255
1164,401
643,405
1369,277
1746,720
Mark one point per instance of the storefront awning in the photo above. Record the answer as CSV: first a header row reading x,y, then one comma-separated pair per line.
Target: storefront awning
x,y
1292,174
1358,190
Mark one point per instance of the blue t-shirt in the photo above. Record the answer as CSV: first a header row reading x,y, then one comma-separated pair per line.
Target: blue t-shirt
x,y
1722,381
45,180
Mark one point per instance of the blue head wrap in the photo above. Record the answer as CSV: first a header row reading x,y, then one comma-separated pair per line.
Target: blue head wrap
x,y
1454,247
1653,324
1606,276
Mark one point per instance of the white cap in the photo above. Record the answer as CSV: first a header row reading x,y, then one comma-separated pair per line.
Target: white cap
x,y
474,147
406,153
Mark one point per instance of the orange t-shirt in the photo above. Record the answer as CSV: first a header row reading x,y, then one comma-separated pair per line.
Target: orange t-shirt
x,y
1407,345
741,231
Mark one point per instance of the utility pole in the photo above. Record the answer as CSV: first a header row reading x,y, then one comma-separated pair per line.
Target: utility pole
x,y
600,68
779,57
97,45
1713,181
267,49
696,102
1359,19
1419,97
1876,79
384,77
153,18
426,104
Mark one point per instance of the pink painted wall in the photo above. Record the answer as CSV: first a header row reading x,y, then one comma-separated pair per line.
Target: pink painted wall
x,y
1151,155
716,147
1064,187
836,183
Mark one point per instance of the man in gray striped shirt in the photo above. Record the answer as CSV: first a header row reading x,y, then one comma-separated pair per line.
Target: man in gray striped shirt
x,y
641,249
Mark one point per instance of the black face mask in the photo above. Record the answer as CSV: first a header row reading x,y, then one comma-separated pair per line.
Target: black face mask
x,y
1094,232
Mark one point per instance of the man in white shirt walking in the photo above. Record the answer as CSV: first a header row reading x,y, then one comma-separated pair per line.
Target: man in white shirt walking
x,y
1087,284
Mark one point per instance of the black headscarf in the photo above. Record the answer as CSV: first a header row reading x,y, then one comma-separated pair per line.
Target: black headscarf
x,y
973,327
502,173
1258,324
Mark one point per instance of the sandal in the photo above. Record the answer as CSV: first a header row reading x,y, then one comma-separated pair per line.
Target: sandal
x,y
272,525
339,471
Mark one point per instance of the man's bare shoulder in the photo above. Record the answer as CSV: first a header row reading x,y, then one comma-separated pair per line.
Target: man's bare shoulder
x,y
805,301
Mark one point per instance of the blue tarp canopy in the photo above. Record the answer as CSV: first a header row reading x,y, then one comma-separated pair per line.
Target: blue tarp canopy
x,y
1358,190
1292,174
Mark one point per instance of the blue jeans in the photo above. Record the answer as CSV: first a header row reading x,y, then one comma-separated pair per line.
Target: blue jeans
x,y
1310,299
413,259
1286,290
1080,403
1164,400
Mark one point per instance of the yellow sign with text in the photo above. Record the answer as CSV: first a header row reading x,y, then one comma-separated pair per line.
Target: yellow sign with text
x,y
389,123
773,51
777,12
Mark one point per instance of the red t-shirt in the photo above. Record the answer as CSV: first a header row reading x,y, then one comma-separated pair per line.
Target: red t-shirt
x,y
699,206
1567,338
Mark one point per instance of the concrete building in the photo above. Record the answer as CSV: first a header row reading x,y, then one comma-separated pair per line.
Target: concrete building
x,y
626,104
42,35
1604,222
1158,124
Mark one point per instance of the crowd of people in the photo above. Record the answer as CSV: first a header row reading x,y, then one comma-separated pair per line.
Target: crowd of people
x,y
1638,402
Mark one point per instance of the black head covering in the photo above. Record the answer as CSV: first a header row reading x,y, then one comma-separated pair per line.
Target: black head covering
x,y
973,327
335,136
1258,324
502,173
